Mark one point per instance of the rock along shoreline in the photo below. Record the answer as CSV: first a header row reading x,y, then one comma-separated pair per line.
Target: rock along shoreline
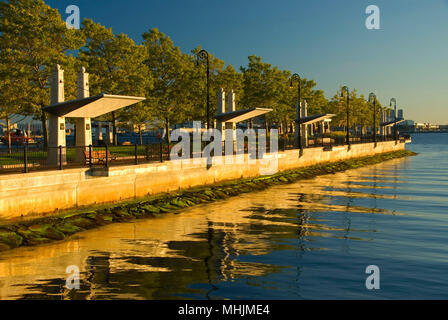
x,y
62,225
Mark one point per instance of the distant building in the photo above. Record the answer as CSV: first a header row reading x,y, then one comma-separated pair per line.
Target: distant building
x,y
25,123
406,123
423,127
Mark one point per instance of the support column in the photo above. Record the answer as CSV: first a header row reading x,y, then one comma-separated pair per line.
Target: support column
x,y
296,125
100,132
221,109
56,125
304,128
109,134
382,120
231,105
83,125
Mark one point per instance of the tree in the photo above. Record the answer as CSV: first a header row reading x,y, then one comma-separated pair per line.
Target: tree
x,y
116,66
228,79
33,39
11,96
221,76
361,111
170,70
264,86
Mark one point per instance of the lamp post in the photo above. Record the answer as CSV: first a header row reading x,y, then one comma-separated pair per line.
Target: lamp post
x,y
296,77
395,116
345,88
204,56
372,96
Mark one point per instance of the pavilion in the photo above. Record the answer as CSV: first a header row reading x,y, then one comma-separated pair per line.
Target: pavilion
x,y
388,121
82,109
308,123
227,118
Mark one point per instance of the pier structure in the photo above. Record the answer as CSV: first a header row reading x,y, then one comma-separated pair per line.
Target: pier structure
x,y
83,134
56,124
310,124
83,109
387,121
228,117
47,191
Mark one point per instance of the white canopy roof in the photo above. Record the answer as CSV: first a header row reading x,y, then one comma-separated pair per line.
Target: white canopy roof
x,y
92,107
241,115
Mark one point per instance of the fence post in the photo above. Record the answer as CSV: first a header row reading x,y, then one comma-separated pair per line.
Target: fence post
x,y
25,159
169,150
90,155
147,152
161,152
107,156
135,154
60,157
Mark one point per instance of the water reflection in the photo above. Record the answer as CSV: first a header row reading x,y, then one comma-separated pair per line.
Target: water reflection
x,y
253,246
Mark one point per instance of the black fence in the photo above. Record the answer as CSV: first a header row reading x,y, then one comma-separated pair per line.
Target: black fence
x,y
28,158
287,142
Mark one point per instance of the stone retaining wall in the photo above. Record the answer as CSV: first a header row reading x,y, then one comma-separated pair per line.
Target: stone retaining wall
x,y
48,191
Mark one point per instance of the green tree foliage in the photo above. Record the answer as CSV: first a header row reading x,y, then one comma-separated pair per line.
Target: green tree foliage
x,y
265,86
116,66
268,87
170,97
12,96
33,39
360,111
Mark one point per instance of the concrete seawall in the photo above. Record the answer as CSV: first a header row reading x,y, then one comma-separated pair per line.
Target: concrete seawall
x,y
42,192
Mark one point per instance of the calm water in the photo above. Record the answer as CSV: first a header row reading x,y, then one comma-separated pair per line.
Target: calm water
x,y
309,240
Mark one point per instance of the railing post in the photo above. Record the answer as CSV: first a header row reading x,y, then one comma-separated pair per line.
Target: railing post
x,y
25,159
135,155
60,157
90,156
147,152
161,151
169,149
107,156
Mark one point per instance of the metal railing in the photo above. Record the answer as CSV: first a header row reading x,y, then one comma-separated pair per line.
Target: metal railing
x,y
28,158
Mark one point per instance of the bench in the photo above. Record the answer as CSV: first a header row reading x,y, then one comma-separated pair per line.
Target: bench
x,y
98,157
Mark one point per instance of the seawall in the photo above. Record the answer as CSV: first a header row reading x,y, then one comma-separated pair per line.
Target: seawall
x,y
49,191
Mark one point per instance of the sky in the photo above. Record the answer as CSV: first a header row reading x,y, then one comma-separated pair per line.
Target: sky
x,y
323,40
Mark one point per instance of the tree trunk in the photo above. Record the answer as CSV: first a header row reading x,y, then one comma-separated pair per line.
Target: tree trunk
x,y
167,130
8,133
43,118
114,129
140,133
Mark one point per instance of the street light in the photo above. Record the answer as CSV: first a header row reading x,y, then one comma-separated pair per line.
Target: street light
x,y
373,96
204,56
395,116
345,88
296,77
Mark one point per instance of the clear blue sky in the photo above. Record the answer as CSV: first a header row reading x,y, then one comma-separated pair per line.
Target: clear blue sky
x,y
324,40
